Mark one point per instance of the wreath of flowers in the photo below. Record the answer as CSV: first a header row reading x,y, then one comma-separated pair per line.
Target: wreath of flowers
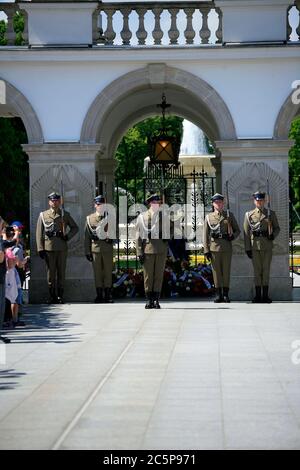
x,y
179,280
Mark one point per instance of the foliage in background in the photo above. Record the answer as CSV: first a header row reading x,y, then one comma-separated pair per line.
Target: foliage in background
x,y
294,170
18,27
134,148
14,172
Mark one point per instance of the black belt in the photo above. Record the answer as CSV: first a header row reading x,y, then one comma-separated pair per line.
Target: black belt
x,y
220,236
58,234
260,234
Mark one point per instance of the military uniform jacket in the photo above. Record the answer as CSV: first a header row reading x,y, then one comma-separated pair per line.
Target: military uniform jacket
x,y
216,227
92,244
257,221
50,221
146,226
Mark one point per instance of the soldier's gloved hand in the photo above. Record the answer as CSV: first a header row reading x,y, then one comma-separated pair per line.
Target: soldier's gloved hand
x,y
230,238
249,254
208,256
142,259
42,254
270,236
89,257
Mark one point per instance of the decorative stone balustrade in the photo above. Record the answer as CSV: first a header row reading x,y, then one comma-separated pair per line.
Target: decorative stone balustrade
x,y
165,23
149,24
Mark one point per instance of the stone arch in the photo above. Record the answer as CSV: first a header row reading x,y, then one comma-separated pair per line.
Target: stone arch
x,y
132,97
14,103
287,113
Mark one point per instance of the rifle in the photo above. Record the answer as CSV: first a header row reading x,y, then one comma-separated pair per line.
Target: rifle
x,y
230,231
105,214
270,230
62,207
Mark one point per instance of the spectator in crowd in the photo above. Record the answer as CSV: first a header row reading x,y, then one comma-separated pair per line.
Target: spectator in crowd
x,y
12,286
19,252
2,280
13,233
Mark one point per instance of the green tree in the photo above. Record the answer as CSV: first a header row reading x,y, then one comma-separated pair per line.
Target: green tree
x,y
294,170
14,188
18,23
2,33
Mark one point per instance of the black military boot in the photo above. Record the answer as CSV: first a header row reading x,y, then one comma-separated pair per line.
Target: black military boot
x,y
60,295
99,298
156,300
257,298
220,297
226,295
52,296
5,340
150,300
107,296
266,299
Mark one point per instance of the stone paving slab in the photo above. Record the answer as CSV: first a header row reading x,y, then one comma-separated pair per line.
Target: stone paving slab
x,y
193,375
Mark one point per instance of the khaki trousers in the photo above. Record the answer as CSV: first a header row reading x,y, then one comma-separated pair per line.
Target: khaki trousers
x,y
103,267
56,262
221,264
154,266
261,264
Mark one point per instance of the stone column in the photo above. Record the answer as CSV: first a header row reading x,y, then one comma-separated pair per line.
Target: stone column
x,y
75,165
216,164
106,173
246,165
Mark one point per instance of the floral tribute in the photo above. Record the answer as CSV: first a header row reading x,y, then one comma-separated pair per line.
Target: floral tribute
x,y
180,280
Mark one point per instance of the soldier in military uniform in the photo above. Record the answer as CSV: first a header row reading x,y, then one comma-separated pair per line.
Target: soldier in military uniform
x,y
260,229
51,240
99,251
152,248
220,229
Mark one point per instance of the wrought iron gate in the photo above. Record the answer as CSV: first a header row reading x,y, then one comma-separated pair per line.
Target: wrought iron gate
x,y
193,191
294,244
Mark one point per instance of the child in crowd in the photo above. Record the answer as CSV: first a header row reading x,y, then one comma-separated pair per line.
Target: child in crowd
x,y
12,286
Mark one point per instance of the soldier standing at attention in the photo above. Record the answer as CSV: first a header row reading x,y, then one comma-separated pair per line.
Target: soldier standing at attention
x,y
99,251
260,229
220,229
51,240
152,248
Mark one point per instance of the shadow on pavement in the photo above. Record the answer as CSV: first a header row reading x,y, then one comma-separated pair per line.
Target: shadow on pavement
x,y
6,377
43,322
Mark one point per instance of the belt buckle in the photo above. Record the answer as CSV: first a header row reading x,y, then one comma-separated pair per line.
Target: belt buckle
x,y
220,235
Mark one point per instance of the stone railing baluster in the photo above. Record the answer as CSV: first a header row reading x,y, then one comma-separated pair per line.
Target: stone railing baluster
x,y
173,31
96,34
219,32
126,34
189,32
204,32
288,26
298,27
109,33
25,32
157,32
141,33
10,10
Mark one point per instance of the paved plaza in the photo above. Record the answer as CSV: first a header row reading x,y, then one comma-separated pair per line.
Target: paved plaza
x,y
193,375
